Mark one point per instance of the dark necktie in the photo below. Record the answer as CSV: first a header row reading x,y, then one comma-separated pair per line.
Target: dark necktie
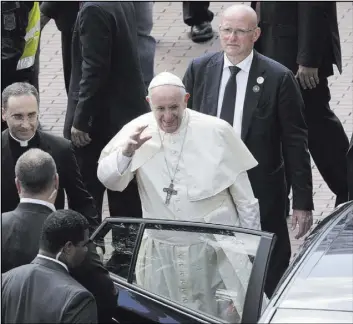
x,y
230,93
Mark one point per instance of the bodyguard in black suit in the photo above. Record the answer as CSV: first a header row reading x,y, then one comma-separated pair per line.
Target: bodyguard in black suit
x,y
304,37
43,291
272,126
20,230
20,110
37,182
106,92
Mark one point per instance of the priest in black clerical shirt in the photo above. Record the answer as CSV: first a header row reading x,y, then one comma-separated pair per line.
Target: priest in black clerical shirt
x,y
20,112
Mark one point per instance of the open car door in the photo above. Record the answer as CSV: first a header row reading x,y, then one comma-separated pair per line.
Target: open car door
x,y
184,272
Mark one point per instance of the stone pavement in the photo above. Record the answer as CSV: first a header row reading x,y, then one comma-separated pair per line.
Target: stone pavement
x,y
174,52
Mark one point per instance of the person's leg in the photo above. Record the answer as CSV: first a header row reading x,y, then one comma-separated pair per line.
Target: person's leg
x,y
197,15
66,38
280,258
328,142
87,158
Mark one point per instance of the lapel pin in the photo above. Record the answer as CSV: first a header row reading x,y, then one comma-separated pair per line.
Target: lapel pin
x,y
256,88
260,80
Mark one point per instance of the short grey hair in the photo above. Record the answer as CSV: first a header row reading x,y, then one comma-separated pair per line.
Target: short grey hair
x,y
35,170
182,91
18,89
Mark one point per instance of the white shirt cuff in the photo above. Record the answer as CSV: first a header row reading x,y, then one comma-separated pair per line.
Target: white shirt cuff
x,y
123,162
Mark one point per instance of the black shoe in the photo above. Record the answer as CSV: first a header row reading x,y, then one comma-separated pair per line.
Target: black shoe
x,y
201,33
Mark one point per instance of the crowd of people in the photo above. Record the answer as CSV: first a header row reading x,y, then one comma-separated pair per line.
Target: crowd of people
x,y
225,144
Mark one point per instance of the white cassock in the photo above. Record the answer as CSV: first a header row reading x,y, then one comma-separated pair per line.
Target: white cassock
x,y
212,186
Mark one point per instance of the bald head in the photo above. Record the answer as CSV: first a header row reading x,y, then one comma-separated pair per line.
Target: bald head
x,y
241,12
238,32
35,172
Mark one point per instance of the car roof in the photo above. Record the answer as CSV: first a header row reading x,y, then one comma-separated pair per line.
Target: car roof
x,y
322,277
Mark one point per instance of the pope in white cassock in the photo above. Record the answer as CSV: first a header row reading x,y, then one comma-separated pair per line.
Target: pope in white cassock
x,y
190,167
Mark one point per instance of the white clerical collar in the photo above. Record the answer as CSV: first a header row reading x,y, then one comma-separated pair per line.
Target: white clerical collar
x,y
244,65
22,143
39,202
54,260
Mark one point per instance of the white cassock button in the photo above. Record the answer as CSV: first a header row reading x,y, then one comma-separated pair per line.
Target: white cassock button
x,y
174,152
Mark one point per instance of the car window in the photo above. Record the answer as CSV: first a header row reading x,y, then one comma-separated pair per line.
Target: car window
x,y
205,272
201,267
118,241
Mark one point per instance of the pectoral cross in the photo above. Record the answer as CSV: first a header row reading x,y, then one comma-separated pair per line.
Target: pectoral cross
x,y
170,191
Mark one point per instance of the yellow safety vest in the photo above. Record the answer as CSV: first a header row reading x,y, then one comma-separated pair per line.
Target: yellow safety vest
x,y
31,38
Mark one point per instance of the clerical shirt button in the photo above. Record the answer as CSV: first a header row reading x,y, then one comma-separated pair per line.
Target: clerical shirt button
x,y
174,152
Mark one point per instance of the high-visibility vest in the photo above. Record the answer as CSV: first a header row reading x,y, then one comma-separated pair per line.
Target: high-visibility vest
x,y
31,38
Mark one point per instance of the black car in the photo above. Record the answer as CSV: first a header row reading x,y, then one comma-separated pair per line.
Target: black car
x,y
318,285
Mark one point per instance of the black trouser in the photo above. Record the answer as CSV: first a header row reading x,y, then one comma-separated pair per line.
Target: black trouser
x,y
281,254
271,193
122,204
328,142
66,38
196,12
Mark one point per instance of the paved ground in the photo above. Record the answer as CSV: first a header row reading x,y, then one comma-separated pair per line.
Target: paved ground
x,y
174,52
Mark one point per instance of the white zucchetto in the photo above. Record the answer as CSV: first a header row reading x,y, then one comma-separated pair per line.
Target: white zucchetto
x,y
166,78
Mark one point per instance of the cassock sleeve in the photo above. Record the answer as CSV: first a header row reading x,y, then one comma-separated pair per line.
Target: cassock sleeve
x,y
246,203
108,172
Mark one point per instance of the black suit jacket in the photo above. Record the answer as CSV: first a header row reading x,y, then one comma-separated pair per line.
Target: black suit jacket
x,y
20,233
44,291
300,33
272,119
106,88
63,12
21,230
70,179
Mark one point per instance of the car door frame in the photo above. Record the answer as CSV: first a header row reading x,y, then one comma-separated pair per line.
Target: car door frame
x,y
257,277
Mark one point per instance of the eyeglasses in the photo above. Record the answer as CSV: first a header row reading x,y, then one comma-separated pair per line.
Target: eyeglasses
x,y
237,32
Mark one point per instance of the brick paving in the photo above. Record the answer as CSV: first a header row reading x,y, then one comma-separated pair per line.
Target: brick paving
x,y
174,52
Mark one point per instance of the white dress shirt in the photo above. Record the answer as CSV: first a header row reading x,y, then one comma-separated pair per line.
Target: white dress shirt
x,y
54,260
242,81
39,202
